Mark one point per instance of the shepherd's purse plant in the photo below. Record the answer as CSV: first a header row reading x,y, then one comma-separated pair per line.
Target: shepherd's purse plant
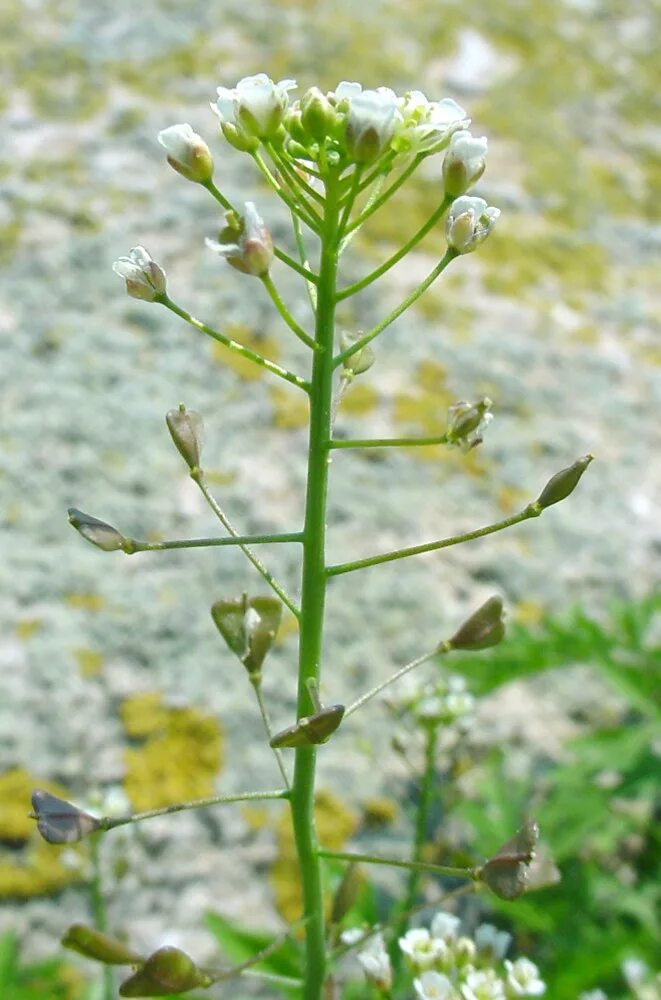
x,y
335,159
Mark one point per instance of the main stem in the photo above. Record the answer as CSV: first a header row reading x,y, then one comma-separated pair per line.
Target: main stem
x,y
313,596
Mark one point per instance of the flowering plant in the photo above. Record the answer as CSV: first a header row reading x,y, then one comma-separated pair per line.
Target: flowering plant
x,y
334,159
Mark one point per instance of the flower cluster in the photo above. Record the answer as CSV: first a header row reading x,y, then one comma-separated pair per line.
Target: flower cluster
x,y
449,965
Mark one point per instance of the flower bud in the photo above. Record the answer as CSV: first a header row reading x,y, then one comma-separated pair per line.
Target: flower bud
x,y
467,422
372,117
311,730
360,361
484,628
506,873
103,535
188,153
249,627
186,431
239,140
59,821
468,224
94,944
245,242
168,971
375,963
563,483
464,163
317,115
145,279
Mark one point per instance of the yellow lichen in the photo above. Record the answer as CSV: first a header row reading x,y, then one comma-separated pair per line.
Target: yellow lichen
x,y
290,409
379,811
89,661
179,759
360,399
28,627
262,344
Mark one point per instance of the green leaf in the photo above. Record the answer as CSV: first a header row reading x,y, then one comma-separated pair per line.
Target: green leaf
x,y
240,944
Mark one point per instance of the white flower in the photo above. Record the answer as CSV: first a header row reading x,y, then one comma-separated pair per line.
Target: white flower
x,y
482,985
352,935
422,950
433,986
523,979
376,962
593,995
490,941
256,106
445,926
469,223
427,126
245,243
187,152
144,278
372,117
464,162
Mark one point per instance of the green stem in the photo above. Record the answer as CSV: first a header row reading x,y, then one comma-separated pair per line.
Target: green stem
x,y
233,345
402,307
298,206
293,177
351,197
391,680
263,711
339,568
402,252
313,598
387,442
99,909
295,327
220,197
422,817
133,545
112,822
310,284
197,477
416,866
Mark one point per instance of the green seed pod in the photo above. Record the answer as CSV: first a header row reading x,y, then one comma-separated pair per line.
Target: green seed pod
x,y
249,627
186,431
311,730
168,971
484,628
99,533
362,360
563,483
346,893
506,873
93,944
59,821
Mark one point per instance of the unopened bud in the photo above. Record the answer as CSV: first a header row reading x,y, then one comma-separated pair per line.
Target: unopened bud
x,y
506,873
484,628
59,821
317,115
186,431
245,242
249,627
563,483
346,893
372,117
239,139
94,944
469,222
361,360
103,535
144,278
467,422
168,971
464,163
188,153
311,730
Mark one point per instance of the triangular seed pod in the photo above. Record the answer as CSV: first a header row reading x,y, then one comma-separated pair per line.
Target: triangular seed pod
x,y
506,872
94,944
311,730
59,821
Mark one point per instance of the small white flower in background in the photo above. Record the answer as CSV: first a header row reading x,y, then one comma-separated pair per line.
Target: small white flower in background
x,y
352,935
256,106
434,986
464,162
427,126
482,984
376,962
492,942
188,153
635,971
245,243
144,278
445,926
372,117
422,950
523,979
593,995
469,223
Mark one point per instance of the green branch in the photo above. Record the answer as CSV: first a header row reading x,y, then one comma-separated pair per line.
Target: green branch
x,y
295,327
339,568
112,822
133,545
387,442
416,866
234,346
